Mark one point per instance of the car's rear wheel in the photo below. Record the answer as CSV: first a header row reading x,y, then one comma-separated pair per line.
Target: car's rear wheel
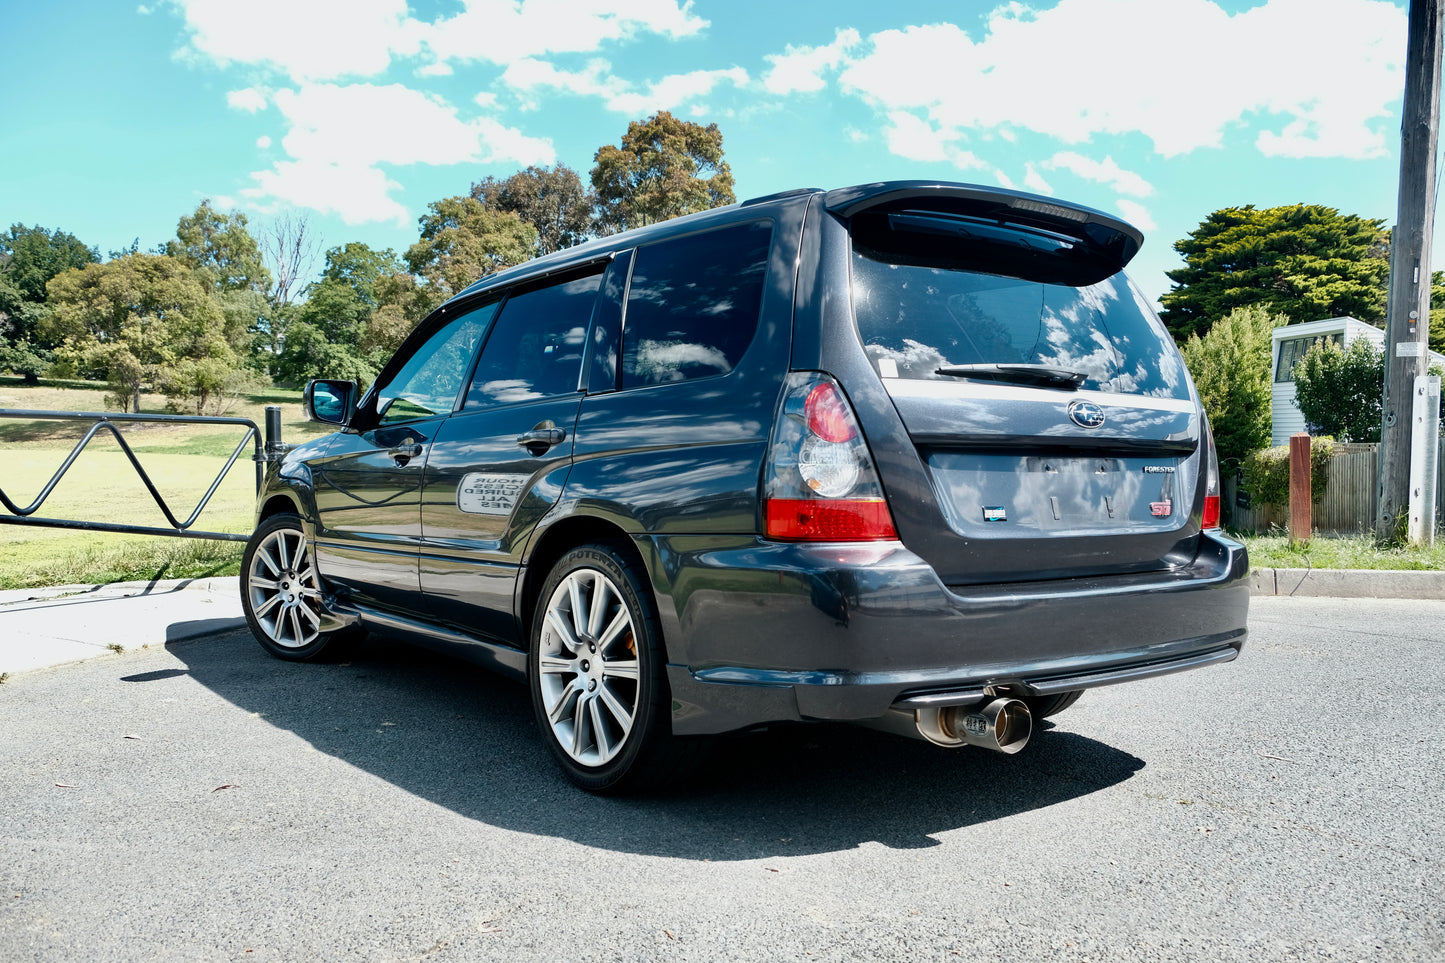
x,y
596,673
281,592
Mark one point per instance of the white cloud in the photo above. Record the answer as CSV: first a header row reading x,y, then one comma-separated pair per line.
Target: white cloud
x,y
356,193
528,76
670,92
801,68
913,138
1136,214
505,31
316,40
1101,172
916,139
263,142
1035,182
1318,75
250,100
335,152
311,40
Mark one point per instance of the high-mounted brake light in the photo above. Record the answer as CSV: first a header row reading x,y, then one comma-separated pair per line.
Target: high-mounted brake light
x,y
820,483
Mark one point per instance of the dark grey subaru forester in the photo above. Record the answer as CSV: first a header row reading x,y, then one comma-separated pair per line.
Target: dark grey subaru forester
x,y
910,454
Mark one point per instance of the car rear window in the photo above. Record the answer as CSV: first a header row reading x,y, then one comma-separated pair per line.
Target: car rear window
x,y
693,303
924,313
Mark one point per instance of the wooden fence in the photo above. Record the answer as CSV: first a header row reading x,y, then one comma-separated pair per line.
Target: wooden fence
x,y
1347,507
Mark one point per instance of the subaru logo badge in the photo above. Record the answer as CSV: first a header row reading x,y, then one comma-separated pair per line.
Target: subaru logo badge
x,y
1086,414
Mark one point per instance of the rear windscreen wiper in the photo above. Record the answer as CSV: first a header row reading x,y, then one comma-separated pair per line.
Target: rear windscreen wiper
x,y
1026,374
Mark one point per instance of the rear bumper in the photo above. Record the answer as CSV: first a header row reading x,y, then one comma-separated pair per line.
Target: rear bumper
x,y
760,631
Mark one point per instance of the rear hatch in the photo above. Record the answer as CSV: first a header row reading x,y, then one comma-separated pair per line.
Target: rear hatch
x,y
1051,414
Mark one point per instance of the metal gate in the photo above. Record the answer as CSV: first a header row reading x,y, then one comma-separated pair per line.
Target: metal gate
x,y
269,449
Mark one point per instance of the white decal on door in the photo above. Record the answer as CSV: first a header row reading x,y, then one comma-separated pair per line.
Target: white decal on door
x,y
480,494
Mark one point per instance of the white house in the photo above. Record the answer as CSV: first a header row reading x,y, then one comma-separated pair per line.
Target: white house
x,y
1290,344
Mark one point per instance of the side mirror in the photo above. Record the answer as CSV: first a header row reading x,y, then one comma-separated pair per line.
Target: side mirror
x,y
329,402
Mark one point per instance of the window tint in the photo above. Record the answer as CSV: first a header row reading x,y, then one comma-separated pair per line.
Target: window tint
x,y
914,319
535,348
1293,351
429,382
692,307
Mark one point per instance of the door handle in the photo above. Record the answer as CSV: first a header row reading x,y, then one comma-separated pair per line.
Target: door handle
x,y
542,437
405,453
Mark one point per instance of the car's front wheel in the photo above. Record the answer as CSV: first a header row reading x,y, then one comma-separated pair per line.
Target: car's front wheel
x,y
281,592
596,673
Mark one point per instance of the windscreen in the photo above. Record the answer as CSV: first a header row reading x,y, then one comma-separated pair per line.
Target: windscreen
x,y
916,315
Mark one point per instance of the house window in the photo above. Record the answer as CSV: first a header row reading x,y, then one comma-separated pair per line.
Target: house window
x,y
1292,352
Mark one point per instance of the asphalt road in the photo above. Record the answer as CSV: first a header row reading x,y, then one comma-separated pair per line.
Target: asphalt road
x,y
204,802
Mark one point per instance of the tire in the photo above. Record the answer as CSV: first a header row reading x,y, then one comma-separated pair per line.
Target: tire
x,y
595,668
281,592
1044,706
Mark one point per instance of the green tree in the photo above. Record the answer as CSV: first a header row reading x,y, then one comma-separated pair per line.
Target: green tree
x,y
1437,311
402,304
553,200
29,258
18,317
359,266
462,241
227,259
665,168
326,338
1304,260
143,319
221,249
1230,367
1338,390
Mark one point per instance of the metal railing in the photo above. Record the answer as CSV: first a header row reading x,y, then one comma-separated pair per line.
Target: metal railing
x,y
268,450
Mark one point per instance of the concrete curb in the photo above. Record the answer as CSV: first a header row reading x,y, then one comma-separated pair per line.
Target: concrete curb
x,y
1348,583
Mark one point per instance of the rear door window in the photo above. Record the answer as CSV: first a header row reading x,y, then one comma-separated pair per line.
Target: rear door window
x,y
693,303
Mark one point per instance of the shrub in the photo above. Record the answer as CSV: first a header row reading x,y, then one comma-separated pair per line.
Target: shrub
x,y
1230,367
1266,472
1338,391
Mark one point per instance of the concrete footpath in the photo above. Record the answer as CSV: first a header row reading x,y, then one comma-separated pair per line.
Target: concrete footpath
x,y
55,626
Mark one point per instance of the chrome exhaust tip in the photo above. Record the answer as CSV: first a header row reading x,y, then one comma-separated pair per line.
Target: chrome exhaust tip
x,y
1004,725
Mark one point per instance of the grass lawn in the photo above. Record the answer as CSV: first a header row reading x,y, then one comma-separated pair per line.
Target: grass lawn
x,y
1356,551
182,461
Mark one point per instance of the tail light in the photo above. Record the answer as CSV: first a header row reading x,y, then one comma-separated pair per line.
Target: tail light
x,y
820,483
1210,522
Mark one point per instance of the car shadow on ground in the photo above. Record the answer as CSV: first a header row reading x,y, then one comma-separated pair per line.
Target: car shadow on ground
x,y
463,738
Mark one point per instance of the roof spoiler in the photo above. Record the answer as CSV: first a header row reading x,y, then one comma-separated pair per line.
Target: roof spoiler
x,y
1101,245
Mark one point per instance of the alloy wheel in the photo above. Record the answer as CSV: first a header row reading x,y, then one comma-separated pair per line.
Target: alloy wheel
x,y
282,589
588,667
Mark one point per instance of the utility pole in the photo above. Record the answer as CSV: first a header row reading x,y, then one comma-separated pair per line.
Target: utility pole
x,y
1408,324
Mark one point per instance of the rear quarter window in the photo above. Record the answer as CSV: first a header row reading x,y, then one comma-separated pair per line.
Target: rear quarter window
x,y
693,303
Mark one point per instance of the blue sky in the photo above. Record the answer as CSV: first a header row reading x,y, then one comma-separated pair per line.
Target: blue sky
x,y
119,117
